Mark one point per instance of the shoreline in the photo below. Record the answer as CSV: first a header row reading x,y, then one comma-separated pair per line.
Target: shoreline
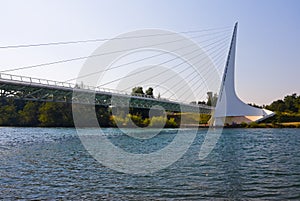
x,y
251,125
266,125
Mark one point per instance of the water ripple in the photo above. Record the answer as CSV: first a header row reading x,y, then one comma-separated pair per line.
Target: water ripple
x,y
51,163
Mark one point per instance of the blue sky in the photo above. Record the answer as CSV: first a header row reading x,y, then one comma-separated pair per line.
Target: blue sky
x,y
268,47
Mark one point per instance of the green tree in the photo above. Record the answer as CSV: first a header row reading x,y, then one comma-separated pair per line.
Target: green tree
x,y
278,105
214,99
201,103
9,116
29,114
103,116
49,114
211,99
279,117
149,92
66,112
298,103
204,118
136,119
137,90
55,114
291,103
158,122
171,123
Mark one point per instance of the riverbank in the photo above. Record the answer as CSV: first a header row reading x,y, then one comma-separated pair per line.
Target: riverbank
x,y
251,125
266,125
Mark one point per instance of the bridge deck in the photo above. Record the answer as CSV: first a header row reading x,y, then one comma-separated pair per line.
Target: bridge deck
x,y
27,88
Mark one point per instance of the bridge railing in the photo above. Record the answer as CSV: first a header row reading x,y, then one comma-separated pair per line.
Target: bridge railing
x,y
30,80
35,80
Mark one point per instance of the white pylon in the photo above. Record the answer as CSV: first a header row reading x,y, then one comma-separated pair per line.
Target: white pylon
x,y
230,109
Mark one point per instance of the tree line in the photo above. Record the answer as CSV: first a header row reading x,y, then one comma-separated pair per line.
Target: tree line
x,y
286,109
289,104
29,113
52,114
56,114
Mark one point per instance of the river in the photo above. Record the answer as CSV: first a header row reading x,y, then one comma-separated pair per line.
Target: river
x,y
52,163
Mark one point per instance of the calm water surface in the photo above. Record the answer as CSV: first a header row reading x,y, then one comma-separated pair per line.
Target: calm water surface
x,y
51,163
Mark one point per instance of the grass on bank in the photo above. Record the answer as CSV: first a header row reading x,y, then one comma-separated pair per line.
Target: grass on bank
x,y
266,125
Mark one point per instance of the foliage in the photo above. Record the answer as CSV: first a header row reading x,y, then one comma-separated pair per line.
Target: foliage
x,y
171,123
290,104
254,105
29,115
8,115
149,92
158,122
134,120
117,121
201,102
104,116
49,114
244,124
137,90
204,118
283,117
52,114
253,125
211,99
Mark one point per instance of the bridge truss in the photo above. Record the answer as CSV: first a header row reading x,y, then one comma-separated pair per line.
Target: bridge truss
x,y
33,89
